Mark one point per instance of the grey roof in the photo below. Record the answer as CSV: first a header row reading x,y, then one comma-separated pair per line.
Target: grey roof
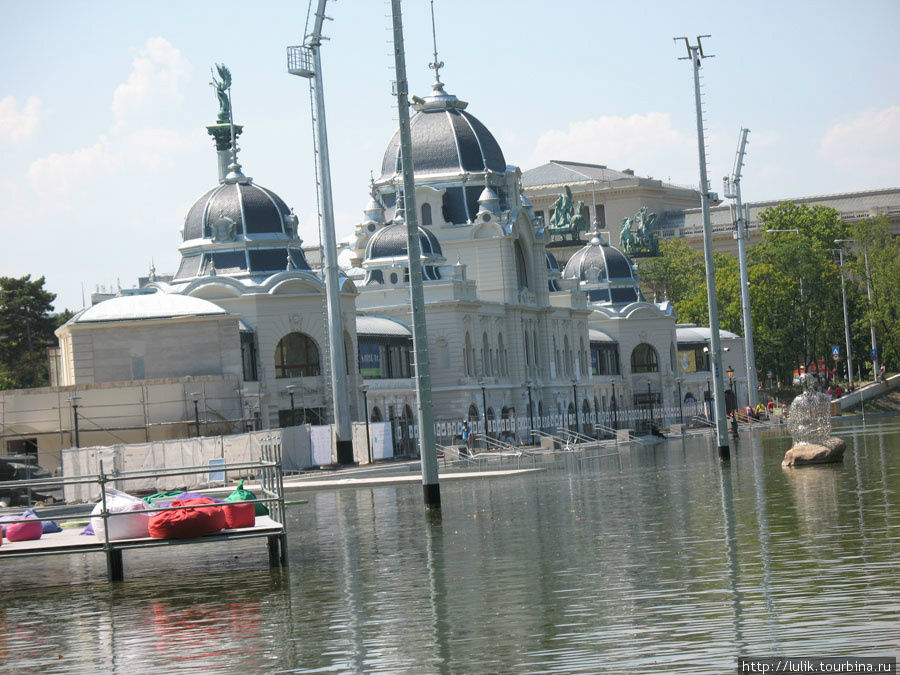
x,y
446,140
390,242
595,335
378,325
147,306
254,210
689,334
557,172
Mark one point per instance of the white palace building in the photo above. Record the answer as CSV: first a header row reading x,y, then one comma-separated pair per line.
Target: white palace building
x,y
235,339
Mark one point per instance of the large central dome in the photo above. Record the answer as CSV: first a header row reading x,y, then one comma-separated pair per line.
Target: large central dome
x,y
445,140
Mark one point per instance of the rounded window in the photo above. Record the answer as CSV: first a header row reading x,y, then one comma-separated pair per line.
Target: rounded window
x,y
644,359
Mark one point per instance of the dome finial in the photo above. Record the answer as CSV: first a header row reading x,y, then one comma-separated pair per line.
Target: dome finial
x,y
435,65
152,271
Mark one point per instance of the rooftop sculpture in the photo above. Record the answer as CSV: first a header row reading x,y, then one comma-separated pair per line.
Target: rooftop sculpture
x,y
567,218
643,239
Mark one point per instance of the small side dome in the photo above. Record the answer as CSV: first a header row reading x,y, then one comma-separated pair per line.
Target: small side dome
x,y
605,273
390,242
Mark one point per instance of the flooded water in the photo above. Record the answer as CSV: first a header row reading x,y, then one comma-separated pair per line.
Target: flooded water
x,y
653,559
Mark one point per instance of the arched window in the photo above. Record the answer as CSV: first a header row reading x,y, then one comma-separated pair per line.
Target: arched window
x,y
535,351
501,352
521,268
485,354
567,355
527,353
296,355
426,214
467,356
376,415
582,357
586,417
644,359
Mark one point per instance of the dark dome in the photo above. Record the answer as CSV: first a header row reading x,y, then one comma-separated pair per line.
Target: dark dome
x,y
390,242
599,263
446,140
253,209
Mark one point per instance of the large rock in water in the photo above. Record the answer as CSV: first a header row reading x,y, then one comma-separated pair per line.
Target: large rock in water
x,y
831,450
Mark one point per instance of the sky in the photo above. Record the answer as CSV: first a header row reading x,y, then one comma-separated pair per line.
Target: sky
x,y
103,107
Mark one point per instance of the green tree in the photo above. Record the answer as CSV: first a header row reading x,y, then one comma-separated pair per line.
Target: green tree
x,y
26,330
873,239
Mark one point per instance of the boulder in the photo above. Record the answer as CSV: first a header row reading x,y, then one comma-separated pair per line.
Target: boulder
x,y
831,450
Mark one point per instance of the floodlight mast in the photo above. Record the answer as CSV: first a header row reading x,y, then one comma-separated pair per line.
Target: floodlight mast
x,y
696,55
306,62
733,191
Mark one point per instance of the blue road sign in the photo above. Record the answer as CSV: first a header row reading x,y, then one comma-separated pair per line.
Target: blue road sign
x,y
873,353
835,352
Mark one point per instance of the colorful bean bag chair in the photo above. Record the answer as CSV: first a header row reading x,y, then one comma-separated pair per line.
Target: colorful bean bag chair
x,y
24,529
188,523
132,525
239,515
241,495
48,526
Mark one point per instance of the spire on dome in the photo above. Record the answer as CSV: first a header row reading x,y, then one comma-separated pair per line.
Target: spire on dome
x,y
435,65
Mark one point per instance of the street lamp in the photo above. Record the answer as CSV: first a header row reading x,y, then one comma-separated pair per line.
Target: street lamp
x,y
74,401
484,408
869,295
365,391
195,396
680,404
575,404
615,407
290,390
530,414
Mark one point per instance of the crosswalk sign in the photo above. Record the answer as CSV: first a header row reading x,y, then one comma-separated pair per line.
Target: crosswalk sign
x,y
836,353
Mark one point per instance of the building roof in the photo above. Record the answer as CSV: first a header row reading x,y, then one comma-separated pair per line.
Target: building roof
x,y
684,334
391,242
381,326
147,306
595,335
445,139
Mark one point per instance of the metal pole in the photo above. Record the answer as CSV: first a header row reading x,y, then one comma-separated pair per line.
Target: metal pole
x,y
680,405
871,321
696,54
575,404
365,392
337,361
430,486
650,403
75,414
530,415
615,407
293,418
752,398
484,411
846,322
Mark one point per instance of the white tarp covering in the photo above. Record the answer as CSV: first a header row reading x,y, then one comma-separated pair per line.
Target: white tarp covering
x,y
382,440
295,448
320,441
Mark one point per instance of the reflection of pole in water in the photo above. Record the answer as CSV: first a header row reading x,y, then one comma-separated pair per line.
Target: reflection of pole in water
x,y
762,520
437,585
731,548
859,488
349,539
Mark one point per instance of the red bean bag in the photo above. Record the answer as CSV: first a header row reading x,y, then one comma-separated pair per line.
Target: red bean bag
x,y
239,515
187,523
26,529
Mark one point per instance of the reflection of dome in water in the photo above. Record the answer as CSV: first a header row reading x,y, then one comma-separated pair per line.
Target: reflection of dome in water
x,y
604,272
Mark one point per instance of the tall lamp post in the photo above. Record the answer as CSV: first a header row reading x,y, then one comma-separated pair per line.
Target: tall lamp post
x,y
575,404
195,397
680,405
484,409
530,414
615,407
365,391
290,390
869,295
74,401
650,403
846,321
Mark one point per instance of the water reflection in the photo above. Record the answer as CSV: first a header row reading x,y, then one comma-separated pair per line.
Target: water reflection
x,y
653,559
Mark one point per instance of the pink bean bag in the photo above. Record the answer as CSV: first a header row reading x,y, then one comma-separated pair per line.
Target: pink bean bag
x,y
26,529
187,523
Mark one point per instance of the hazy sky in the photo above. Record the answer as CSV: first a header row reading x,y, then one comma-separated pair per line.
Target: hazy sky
x,y
103,106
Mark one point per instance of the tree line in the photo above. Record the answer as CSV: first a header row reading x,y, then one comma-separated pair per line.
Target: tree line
x,y
27,323
794,277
